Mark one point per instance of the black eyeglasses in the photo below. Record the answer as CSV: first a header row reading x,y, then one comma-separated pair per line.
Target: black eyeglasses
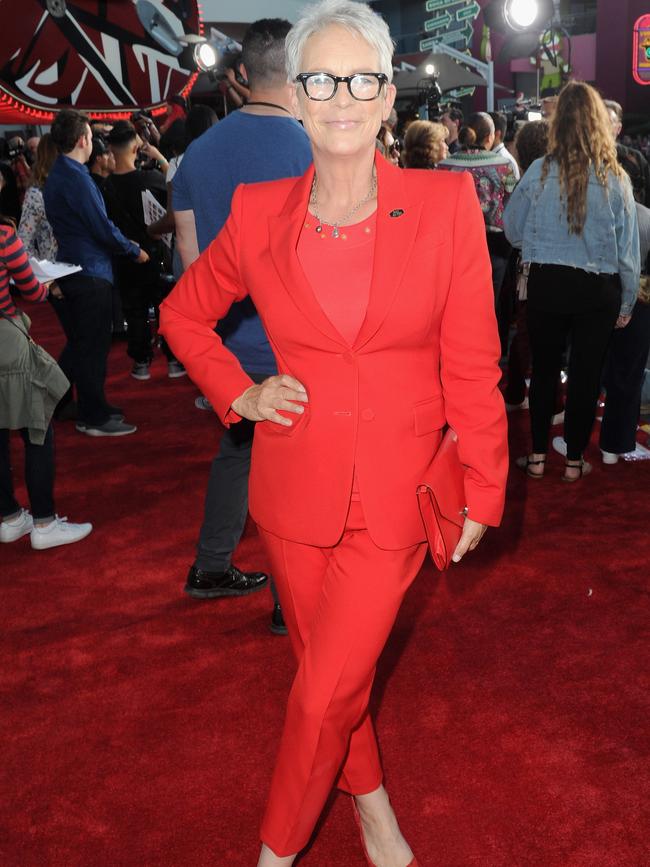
x,y
322,86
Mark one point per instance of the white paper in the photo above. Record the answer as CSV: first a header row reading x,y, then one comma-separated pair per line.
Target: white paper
x,y
45,271
153,211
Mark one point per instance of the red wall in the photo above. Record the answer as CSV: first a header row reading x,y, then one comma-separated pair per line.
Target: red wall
x,y
614,54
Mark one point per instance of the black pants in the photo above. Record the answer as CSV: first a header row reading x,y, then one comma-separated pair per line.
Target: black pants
x,y
518,357
39,476
568,304
226,500
137,299
623,381
86,314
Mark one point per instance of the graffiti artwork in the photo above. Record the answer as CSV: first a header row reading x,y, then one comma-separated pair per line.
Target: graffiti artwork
x,y
96,56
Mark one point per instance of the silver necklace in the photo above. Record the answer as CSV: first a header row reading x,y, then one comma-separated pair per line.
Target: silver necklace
x,y
335,226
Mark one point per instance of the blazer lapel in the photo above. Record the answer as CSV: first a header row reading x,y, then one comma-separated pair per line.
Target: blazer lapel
x,y
284,231
398,218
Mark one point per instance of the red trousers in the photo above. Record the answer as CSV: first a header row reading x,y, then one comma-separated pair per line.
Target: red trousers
x,y
339,605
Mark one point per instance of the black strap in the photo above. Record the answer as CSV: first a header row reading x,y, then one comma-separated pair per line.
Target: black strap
x,y
269,105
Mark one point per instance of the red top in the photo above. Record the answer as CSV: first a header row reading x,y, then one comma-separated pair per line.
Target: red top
x,y
339,271
15,264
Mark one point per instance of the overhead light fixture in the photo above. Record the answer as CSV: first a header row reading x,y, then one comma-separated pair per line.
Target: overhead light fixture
x,y
430,69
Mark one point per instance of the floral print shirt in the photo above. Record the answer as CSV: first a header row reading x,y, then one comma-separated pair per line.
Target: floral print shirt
x,y
34,230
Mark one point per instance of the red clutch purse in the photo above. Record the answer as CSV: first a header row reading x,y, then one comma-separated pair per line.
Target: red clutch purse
x,y
441,498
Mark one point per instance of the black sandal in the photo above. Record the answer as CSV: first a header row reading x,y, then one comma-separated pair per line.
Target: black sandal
x,y
525,463
582,465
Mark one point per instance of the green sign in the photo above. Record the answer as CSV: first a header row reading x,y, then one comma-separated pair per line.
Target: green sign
x,y
452,24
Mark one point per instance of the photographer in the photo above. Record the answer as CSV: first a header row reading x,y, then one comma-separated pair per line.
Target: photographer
x,y
500,121
235,87
149,156
19,166
140,287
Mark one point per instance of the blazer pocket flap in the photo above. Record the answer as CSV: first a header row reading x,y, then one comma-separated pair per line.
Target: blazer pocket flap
x,y
429,415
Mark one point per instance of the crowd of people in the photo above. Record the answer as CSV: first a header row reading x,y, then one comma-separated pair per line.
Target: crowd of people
x,y
531,252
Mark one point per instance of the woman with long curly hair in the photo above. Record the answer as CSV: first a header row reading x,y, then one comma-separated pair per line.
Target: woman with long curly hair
x,y
573,217
425,144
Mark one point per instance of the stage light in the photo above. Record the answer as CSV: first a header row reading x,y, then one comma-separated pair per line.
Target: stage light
x,y
430,69
521,14
518,16
205,56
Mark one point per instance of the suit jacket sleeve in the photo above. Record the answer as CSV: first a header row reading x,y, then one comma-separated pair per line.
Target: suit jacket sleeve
x,y
470,351
199,300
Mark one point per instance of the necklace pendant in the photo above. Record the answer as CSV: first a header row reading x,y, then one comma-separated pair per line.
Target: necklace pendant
x,y
335,232
319,228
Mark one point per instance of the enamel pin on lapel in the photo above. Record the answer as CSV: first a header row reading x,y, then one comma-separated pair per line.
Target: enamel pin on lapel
x,y
396,213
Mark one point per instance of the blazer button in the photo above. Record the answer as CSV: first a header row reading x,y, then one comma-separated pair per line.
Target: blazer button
x,y
367,414
347,356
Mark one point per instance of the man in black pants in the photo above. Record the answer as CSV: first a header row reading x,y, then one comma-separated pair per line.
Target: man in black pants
x,y
259,142
140,287
86,237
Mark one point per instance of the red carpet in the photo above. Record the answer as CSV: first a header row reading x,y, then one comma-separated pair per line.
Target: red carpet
x,y
139,726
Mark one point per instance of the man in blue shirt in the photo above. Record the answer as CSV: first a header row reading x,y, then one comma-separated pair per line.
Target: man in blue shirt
x,y
260,142
85,236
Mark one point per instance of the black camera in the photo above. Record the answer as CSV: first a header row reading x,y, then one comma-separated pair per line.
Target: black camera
x,y
15,148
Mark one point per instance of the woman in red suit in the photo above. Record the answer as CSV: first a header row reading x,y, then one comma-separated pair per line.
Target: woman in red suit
x,y
374,288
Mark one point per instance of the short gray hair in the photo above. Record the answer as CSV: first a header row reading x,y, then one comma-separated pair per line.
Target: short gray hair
x,y
356,17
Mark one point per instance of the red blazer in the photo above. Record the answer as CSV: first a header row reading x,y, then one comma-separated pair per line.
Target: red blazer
x,y
427,354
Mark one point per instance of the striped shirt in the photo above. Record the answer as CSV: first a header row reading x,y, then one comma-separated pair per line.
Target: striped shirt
x,y
14,264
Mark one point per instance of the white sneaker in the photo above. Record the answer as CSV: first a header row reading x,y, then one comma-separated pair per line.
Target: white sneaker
x,y
559,445
609,457
58,532
17,527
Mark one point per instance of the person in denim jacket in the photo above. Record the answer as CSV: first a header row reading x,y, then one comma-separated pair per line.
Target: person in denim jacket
x,y
573,217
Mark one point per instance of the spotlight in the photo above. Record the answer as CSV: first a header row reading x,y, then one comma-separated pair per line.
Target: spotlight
x,y
430,69
520,16
205,56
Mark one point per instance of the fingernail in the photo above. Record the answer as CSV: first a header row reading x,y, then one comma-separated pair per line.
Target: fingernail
x,y
456,558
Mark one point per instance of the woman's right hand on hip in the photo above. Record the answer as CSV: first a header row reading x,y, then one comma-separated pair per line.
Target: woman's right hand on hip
x,y
262,402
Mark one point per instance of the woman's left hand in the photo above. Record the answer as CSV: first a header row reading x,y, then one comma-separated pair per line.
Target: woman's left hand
x,y
472,535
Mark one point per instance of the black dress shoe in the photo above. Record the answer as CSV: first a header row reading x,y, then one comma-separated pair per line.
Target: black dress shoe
x,y
232,582
278,626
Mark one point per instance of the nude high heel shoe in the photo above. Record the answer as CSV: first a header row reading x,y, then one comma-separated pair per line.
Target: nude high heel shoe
x,y
357,819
